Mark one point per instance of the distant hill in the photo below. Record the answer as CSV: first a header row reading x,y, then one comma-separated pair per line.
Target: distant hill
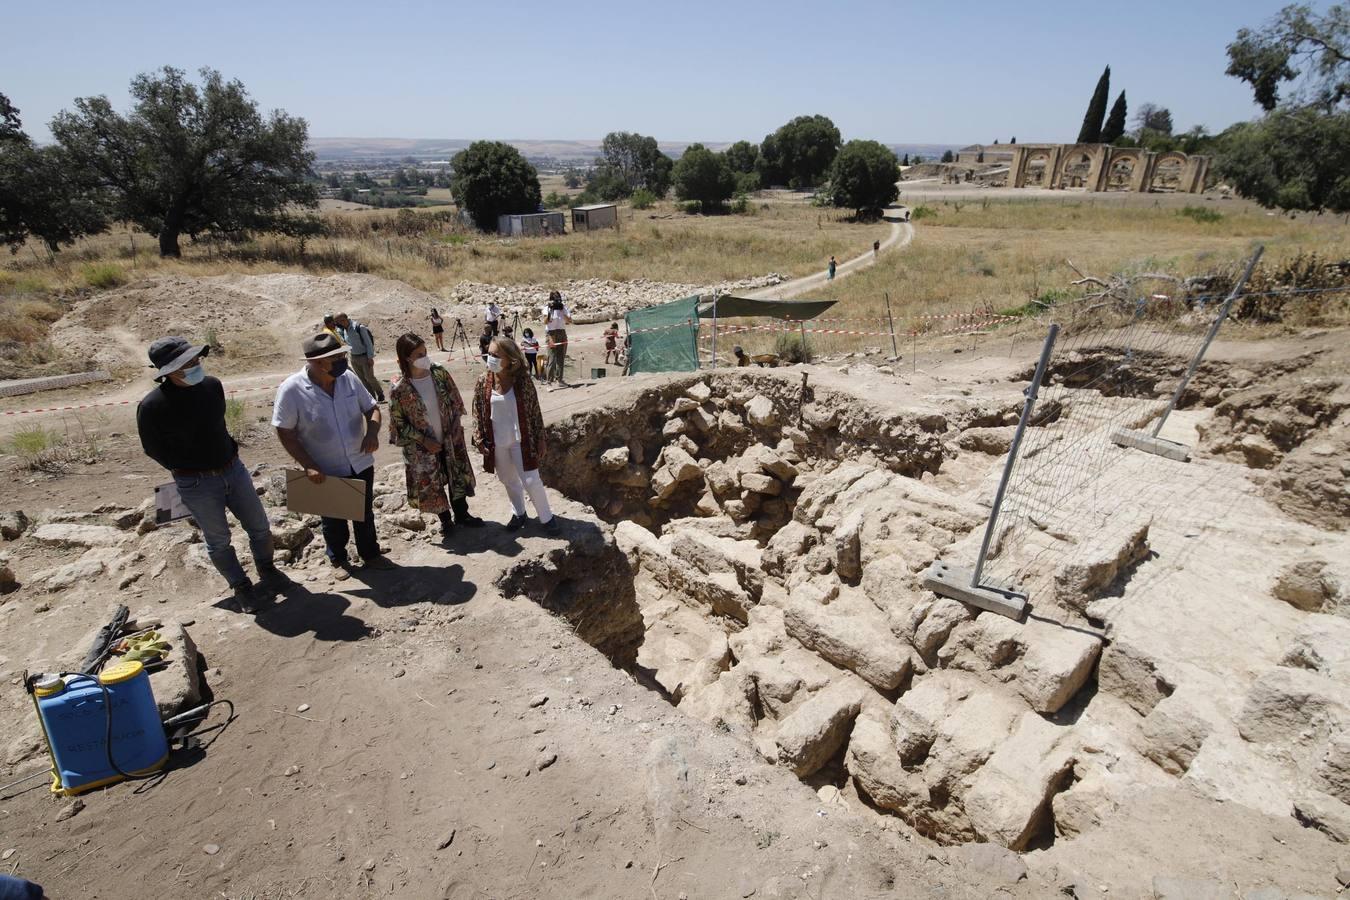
x,y
338,149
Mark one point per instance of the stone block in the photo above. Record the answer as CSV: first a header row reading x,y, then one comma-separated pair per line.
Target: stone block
x,y
759,483
876,768
760,411
614,460
1294,705
1134,675
816,730
1009,799
1101,558
699,392
852,634
1056,662
63,535
177,686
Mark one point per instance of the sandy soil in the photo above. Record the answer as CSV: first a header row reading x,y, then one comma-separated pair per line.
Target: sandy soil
x,y
422,764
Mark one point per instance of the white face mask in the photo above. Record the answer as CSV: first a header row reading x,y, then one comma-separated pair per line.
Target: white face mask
x,y
422,363
494,363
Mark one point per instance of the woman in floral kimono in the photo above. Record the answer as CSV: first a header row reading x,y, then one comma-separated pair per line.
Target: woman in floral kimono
x,y
509,431
424,419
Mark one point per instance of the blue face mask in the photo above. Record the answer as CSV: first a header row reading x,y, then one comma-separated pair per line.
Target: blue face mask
x,y
194,375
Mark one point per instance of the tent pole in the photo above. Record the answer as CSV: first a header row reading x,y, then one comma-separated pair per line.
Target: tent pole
x,y
712,363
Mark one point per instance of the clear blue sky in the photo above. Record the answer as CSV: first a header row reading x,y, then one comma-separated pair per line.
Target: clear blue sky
x,y
900,71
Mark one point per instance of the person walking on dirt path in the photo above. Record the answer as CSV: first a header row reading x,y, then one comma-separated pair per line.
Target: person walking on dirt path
x,y
529,345
876,249
438,329
425,413
493,316
330,425
509,432
362,344
612,343
556,319
182,427
833,265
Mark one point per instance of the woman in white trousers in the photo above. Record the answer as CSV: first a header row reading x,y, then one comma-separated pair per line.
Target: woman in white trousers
x,y
509,431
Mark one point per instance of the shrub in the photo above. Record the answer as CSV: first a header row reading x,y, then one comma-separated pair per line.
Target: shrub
x,y
1201,214
551,254
104,275
793,348
922,212
642,199
555,200
46,450
234,418
692,207
741,205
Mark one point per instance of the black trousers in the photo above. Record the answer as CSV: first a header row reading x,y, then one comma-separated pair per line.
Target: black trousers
x,y
336,531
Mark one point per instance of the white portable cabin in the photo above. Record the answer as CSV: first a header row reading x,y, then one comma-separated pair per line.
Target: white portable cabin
x,y
596,215
532,224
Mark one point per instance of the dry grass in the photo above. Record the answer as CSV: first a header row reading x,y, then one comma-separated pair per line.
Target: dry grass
x,y
1004,255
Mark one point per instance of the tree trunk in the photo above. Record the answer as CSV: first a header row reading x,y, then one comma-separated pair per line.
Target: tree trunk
x,y
169,231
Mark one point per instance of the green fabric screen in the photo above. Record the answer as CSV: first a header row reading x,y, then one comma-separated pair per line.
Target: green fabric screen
x,y
664,338
729,307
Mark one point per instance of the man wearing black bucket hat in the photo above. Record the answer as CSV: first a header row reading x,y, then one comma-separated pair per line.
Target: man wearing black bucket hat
x,y
182,427
330,425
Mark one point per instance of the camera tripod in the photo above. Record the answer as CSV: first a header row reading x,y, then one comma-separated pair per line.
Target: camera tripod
x,y
458,336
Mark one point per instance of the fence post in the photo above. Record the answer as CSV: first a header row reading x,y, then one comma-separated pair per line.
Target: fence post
x,y
1027,407
895,351
958,584
1213,330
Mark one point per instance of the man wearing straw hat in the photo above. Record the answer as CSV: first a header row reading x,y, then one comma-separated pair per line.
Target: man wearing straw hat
x,y
182,427
330,425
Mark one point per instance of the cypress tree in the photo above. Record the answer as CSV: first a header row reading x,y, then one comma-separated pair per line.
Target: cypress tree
x,y
1115,123
1091,132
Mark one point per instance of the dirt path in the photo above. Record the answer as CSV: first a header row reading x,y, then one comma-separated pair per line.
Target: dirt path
x,y
900,235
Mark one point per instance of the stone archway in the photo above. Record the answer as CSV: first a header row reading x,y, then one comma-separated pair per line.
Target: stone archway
x,y
1166,172
1124,171
1075,171
1037,169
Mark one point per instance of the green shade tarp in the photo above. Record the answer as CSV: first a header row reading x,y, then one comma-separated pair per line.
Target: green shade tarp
x,y
729,307
664,338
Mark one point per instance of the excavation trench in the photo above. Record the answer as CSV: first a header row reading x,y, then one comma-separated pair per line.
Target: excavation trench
x,y
764,577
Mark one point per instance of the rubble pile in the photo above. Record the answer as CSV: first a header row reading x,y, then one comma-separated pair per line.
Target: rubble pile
x,y
778,539
590,299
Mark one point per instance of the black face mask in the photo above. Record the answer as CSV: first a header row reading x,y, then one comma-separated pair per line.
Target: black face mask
x,y
338,367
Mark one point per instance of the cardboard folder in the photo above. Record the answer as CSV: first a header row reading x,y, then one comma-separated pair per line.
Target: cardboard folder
x,y
336,498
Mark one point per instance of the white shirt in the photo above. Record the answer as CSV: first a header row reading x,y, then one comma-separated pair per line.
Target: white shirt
x,y
426,389
505,420
493,312
556,319
331,429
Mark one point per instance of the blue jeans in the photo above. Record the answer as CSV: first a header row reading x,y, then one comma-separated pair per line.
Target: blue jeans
x,y
336,533
207,497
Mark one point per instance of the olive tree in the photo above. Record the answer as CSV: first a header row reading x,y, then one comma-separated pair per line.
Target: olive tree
x,y
863,177
190,159
492,179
